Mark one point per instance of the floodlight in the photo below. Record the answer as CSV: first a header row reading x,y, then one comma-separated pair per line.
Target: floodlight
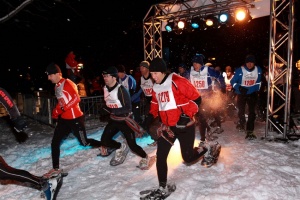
x,y
195,23
169,26
240,14
181,24
210,21
223,17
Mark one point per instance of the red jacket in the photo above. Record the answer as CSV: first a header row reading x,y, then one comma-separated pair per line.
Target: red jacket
x,y
68,100
184,93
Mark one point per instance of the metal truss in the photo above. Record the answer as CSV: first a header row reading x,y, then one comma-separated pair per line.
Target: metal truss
x,y
280,68
281,46
179,9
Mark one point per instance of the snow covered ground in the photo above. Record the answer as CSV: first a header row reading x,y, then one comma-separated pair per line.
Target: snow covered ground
x,y
258,169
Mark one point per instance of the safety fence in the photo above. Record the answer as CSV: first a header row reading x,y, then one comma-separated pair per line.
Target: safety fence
x,y
40,105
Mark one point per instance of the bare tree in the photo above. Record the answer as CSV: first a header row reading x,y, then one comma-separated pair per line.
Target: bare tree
x,y
15,11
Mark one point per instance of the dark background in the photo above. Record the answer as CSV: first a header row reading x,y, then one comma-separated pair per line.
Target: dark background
x,y
110,34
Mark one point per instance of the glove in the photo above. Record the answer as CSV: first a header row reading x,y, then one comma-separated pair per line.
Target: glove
x,y
21,136
56,113
243,90
19,124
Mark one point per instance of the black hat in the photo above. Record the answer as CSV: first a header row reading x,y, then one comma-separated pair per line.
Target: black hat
x,y
52,69
111,71
158,65
250,58
121,68
198,58
182,65
145,64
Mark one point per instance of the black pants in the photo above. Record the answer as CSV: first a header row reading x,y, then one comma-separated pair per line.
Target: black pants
x,y
242,101
63,129
186,137
112,128
9,173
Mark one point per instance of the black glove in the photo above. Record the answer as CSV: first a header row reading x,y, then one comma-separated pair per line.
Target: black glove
x,y
243,90
19,124
21,136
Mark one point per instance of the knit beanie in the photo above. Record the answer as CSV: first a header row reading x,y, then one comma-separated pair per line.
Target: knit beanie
x,y
182,65
145,64
111,71
158,65
250,58
52,69
198,58
121,68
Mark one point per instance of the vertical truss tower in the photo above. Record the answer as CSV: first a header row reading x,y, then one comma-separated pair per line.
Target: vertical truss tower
x,y
280,68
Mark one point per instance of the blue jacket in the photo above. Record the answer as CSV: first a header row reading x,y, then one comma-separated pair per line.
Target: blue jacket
x,y
236,81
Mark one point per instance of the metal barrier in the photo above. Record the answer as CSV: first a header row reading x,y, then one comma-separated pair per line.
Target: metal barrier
x,y
39,107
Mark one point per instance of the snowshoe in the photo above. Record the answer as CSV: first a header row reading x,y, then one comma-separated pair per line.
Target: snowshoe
x,y
212,155
52,188
158,194
146,163
120,155
240,127
250,136
105,151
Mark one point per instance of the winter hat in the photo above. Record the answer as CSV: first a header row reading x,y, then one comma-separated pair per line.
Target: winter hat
x,y
145,64
158,65
250,58
182,65
121,68
198,58
111,71
52,69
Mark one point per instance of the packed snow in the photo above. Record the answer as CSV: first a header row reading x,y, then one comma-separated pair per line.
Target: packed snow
x,y
259,169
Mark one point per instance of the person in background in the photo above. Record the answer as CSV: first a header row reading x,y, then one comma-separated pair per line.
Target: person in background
x,y
205,79
176,101
119,106
81,87
96,89
182,71
230,94
146,89
130,84
8,172
246,83
68,116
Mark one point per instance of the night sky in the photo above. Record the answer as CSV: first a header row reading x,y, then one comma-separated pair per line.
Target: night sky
x,y
107,35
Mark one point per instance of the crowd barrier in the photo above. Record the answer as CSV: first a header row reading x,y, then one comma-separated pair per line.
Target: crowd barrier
x,y
40,105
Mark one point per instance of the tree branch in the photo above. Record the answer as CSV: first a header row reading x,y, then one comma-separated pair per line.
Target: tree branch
x,y
14,12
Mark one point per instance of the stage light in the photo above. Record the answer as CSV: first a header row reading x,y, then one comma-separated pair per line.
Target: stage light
x,y
211,21
169,26
223,17
240,14
195,23
181,24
